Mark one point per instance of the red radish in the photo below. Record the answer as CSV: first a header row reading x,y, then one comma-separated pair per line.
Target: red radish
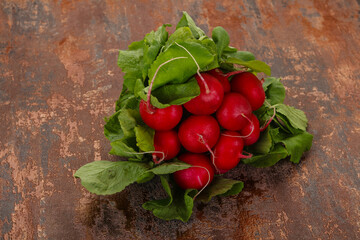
x,y
210,98
251,132
160,118
250,87
166,142
228,151
199,133
234,112
196,177
222,78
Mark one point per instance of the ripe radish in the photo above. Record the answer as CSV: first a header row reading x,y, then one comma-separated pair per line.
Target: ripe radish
x,y
234,112
160,118
228,151
250,87
251,131
210,98
219,75
166,142
199,133
196,177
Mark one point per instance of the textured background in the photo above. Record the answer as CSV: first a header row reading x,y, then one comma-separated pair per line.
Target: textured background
x,y
59,79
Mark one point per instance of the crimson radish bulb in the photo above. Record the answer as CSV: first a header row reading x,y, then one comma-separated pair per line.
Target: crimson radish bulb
x,y
160,118
219,75
234,112
166,142
199,133
210,98
228,151
250,87
251,132
196,177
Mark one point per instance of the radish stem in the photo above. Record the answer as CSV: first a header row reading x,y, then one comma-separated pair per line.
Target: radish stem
x,y
269,121
249,155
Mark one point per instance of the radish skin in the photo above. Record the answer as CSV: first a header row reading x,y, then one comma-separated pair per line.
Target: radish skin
x,y
233,112
208,101
166,142
198,133
160,118
196,177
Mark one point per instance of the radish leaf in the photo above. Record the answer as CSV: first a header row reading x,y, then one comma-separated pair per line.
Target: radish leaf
x,y
297,145
179,70
220,187
296,117
269,159
274,90
187,21
169,167
105,177
145,138
178,205
221,39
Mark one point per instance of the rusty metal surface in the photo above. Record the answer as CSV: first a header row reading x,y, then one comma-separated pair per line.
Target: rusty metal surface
x,y
59,79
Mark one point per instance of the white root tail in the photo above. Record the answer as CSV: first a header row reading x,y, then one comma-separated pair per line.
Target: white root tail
x,y
197,194
202,140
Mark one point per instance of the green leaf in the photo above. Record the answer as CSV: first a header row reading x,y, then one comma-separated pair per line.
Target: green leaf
x,y
241,55
147,176
211,46
263,144
179,70
187,21
131,63
145,138
154,41
221,39
274,90
127,100
125,149
297,145
128,119
112,128
267,160
220,187
105,177
296,117
171,167
181,34
255,65
178,205
177,94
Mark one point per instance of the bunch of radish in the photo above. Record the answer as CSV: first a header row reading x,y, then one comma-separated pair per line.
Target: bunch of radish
x,y
210,131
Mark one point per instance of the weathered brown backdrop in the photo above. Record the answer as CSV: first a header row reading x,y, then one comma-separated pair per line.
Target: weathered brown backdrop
x,y
59,79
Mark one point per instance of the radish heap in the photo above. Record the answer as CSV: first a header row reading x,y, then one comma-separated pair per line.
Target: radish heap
x,y
200,132
191,109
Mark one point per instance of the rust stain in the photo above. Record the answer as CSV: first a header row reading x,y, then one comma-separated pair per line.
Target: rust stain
x,y
22,217
71,56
